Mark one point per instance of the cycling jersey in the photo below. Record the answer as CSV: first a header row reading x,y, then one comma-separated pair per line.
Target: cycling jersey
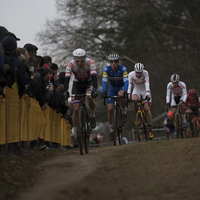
x,y
141,85
179,91
82,74
118,78
192,102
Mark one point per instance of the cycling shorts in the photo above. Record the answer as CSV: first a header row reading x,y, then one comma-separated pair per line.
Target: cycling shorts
x,y
176,100
113,91
80,88
139,93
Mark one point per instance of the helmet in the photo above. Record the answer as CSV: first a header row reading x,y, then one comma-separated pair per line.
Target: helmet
x,y
174,78
192,92
79,54
138,67
113,57
170,114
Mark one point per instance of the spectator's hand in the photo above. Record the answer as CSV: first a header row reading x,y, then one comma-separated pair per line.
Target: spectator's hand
x,y
94,93
51,87
45,106
104,95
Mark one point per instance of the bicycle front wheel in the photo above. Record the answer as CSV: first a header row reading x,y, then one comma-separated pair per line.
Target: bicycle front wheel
x,y
120,127
195,128
115,127
81,128
177,126
87,135
137,124
144,131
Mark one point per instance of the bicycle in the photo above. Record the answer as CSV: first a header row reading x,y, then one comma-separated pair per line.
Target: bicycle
x,y
84,127
117,120
140,121
195,123
180,129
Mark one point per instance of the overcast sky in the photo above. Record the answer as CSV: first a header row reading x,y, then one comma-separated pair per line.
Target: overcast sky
x,y
26,17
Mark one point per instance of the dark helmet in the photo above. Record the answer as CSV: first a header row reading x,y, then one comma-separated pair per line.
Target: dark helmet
x,y
192,92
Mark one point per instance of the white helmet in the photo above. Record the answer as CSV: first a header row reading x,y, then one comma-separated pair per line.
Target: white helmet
x,y
174,78
79,54
113,57
138,67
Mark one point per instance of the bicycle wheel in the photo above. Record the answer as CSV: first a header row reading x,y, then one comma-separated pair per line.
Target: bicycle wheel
x,y
195,128
120,124
144,131
87,135
81,128
137,123
177,125
115,127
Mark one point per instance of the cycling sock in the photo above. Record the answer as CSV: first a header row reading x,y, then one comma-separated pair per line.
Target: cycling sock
x,y
92,113
111,128
74,131
184,117
123,110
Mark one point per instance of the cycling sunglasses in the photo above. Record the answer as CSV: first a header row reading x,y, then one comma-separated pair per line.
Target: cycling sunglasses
x,y
115,61
139,72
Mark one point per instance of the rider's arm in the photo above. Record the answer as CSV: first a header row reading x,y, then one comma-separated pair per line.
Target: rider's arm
x,y
67,75
184,92
168,93
93,73
125,79
130,83
147,83
104,79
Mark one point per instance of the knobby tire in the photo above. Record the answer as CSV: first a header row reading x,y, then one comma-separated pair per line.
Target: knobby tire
x,y
138,120
87,134
81,127
115,127
120,127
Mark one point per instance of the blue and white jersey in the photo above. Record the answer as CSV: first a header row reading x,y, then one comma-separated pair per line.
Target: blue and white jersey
x,y
117,78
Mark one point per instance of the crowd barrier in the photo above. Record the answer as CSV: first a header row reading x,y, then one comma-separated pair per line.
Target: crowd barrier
x,y
23,120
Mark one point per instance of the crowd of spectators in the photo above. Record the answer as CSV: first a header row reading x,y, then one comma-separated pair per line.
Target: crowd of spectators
x,y
29,74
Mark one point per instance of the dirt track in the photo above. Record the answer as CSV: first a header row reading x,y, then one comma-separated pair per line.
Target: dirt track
x,y
149,170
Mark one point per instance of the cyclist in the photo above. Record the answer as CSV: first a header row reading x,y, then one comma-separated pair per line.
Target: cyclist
x,y
177,90
139,80
118,78
169,125
192,105
84,81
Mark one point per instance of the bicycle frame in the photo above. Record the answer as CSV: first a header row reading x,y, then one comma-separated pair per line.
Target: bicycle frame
x,y
180,130
117,119
84,128
195,123
140,119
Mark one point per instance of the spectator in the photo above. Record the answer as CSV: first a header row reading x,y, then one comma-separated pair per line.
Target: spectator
x,y
54,67
48,61
9,47
2,75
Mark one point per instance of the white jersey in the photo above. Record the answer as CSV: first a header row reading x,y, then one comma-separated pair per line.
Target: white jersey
x,y
81,74
140,85
179,91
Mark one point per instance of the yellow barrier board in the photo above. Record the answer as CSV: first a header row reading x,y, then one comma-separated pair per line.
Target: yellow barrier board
x,y
23,120
2,120
56,120
65,133
12,109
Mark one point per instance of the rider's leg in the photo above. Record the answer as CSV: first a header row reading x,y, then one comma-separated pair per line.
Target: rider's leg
x,y
123,105
92,106
183,113
110,113
135,97
74,118
149,119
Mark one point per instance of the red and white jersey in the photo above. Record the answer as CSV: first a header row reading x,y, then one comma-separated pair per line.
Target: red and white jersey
x,y
180,90
140,84
192,102
81,74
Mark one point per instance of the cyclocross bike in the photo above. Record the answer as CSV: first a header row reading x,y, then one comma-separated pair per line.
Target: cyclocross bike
x,y
84,125
195,123
180,129
117,121
140,120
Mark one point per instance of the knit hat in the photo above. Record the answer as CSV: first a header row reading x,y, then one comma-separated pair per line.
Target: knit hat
x,y
9,43
54,66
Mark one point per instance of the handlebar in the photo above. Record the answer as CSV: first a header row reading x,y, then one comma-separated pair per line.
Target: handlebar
x,y
115,97
139,100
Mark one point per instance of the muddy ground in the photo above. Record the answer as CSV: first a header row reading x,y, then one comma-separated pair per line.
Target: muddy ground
x,y
149,170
